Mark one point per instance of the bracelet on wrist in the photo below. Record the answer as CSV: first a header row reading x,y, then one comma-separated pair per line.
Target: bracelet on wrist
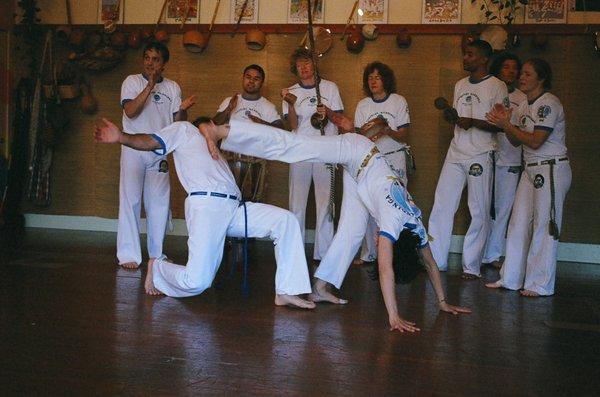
x,y
442,300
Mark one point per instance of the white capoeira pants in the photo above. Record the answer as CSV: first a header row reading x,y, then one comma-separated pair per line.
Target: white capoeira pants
x,y
507,179
209,220
368,253
368,194
141,177
477,175
530,261
301,175
354,218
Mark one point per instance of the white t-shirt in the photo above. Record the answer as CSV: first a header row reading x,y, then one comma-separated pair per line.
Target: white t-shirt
x,y
164,100
196,169
306,106
393,109
474,99
544,113
507,154
260,107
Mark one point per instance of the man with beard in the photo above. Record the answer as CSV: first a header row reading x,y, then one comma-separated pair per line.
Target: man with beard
x,y
469,161
250,105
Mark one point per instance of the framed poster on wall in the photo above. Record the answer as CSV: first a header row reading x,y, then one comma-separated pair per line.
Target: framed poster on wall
x,y
298,11
546,11
110,10
250,11
179,9
373,11
441,11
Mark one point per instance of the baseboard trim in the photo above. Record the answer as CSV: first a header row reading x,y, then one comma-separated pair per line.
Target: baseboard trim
x,y
569,252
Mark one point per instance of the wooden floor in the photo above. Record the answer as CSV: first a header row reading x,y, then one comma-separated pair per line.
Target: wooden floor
x,y
72,323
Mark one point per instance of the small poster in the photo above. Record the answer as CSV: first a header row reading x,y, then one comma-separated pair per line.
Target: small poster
x,y
298,11
110,10
373,11
546,11
250,11
177,10
441,11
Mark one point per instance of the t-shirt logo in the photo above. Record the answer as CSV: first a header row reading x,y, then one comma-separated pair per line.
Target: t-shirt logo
x,y
156,97
247,113
468,99
476,169
538,181
544,111
506,102
163,166
402,199
523,121
313,100
382,117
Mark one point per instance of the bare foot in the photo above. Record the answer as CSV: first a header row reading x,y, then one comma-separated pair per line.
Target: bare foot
x,y
293,300
469,276
529,293
129,265
321,294
149,283
494,285
358,262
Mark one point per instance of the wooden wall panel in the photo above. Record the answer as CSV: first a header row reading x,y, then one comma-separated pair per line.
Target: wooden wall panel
x,y
86,175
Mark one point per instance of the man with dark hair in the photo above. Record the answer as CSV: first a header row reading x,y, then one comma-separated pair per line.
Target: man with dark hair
x,y
506,67
250,105
297,117
469,161
372,189
149,101
213,211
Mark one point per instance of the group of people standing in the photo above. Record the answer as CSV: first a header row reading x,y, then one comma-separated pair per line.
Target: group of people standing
x,y
494,121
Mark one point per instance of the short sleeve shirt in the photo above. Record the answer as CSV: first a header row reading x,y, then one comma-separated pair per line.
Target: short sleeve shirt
x,y
473,99
393,108
260,107
544,113
196,169
161,104
306,105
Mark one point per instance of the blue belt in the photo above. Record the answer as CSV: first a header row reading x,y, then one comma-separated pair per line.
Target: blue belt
x,y
215,194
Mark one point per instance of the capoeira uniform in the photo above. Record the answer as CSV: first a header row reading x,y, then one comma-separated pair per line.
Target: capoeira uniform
x,y
144,174
507,174
469,161
530,261
371,186
394,109
213,211
260,107
301,174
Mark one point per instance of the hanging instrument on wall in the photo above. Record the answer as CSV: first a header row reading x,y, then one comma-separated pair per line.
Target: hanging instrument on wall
x,y
349,20
161,35
239,20
317,120
212,21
